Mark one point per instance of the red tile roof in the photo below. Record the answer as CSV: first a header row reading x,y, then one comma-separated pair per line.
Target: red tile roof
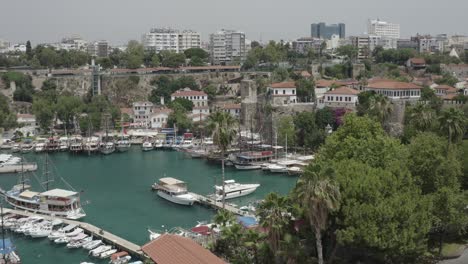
x,y
161,110
343,90
324,83
288,85
189,92
418,61
449,89
173,249
392,85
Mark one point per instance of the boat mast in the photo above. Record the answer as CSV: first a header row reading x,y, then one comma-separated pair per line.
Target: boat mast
x,y
286,146
22,172
3,234
46,172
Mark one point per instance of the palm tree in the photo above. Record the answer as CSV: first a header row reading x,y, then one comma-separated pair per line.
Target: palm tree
x,y
224,130
254,240
274,215
222,217
453,124
318,196
380,107
422,117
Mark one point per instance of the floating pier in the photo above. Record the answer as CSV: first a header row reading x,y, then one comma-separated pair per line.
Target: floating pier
x,y
207,201
95,231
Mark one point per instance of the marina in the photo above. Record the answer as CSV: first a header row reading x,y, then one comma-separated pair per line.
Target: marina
x,y
111,186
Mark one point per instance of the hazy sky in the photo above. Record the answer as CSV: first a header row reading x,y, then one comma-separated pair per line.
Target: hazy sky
x,y
119,21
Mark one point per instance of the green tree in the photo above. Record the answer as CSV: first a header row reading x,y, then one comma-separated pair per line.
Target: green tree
x,y
422,117
348,51
279,75
286,131
7,117
134,54
211,91
196,52
44,112
196,61
274,215
68,107
452,124
319,197
307,132
305,90
224,130
172,59
380,108
179,118
185,103
324,117
432,165
29,52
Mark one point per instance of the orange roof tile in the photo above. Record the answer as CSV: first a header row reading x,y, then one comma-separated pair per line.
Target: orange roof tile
x,y
189,92
392,85
418,61
324,83
289,85
343,90
173,249
449,89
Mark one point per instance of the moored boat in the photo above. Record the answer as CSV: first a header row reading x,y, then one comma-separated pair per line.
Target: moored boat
x,y
12,164
147,146
232,189
174,190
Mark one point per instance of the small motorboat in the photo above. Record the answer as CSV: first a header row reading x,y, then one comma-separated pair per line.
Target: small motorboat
x,y
147,146
62,240
107,254
97,251
92,244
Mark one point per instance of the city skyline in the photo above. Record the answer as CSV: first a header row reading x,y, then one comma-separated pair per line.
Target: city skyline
x,y
260,20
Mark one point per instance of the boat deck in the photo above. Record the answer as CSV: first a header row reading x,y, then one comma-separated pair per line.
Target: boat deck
x,y
204,200
95,231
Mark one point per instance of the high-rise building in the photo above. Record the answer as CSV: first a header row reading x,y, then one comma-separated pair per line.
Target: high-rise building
x,y
227,46
324,31
159,39
99,48
383,29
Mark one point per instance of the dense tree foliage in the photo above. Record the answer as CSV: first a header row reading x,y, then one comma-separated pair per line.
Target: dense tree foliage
x,y
164,86
7,117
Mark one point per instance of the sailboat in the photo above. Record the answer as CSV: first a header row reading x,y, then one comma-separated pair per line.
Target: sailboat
x,y
123,144
107,147
8,254
56,202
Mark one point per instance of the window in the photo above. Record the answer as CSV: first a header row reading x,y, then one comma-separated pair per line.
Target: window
x,y
284,91
293,91
276,91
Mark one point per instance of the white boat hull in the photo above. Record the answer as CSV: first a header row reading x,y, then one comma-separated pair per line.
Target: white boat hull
x,y
14,168
248,167
177,199
75,215
236,194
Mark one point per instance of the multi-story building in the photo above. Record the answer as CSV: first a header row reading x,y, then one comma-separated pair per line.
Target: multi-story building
x,y
99,48
324,31
367,43
429,43
383,29
283,93
227,46
142,112
159,39
198,98
303,45
395,90
407,44
233,109
342,97
159,117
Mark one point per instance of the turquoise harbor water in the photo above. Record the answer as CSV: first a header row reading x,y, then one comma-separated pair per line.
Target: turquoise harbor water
x,y
117,195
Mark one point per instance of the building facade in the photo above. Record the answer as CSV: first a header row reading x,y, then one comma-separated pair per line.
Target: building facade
x,y
342,97
99,48
159,39
303,45
395,90
324,31
227,46
159,117
142,112
283,93
383,29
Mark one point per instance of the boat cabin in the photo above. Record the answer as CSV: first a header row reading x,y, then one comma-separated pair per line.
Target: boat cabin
x,y
171,186
60,200
254,157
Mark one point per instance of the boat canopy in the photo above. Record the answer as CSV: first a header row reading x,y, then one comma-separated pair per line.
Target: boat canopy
x,y
59,193
28,194
69,227
170,181
119,255
229,181
6,247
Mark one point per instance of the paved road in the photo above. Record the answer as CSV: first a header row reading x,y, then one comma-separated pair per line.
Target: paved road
x,y
463,259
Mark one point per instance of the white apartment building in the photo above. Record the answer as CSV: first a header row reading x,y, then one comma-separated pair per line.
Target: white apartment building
x,y
342,97
227,46
395,90
383,29
159,39
142,112
283,93
198,98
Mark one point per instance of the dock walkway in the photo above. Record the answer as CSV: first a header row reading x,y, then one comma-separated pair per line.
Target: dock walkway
x,y
95,231
204,200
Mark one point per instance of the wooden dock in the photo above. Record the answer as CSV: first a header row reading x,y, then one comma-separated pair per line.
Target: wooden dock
x,y
95,231
204,200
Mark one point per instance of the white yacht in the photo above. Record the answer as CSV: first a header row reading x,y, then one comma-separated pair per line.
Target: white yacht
x,y
174,190
232,189
97,251
91,145
107,148
13,164
123,145
63,144
26,148
76,144
40,147
147,146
